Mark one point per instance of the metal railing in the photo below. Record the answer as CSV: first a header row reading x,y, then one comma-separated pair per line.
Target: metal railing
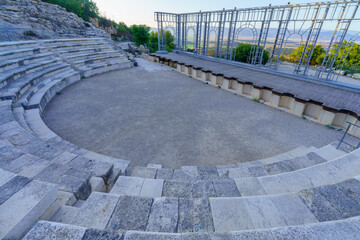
x,y
271,27
347,133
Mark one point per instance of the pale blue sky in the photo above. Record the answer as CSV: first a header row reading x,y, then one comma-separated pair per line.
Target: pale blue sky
x,y
142,11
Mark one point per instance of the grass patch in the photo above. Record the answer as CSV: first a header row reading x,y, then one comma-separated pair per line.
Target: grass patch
x,y
256,100
329,126
58,93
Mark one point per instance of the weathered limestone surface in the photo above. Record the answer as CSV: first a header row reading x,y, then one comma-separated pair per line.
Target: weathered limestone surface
x,y
163,216
96,211
51,230
46,20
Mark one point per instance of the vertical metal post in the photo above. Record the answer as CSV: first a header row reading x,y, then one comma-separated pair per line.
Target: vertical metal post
x,y
332,52
158,23
222,33
233,35
178,31
229,35
197,33
208,36
186,32
205,34
219,35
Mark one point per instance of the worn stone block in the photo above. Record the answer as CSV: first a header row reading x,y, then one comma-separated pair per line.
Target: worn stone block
x,y
319,206
249,186
144,172
23,208
96,211
208,173
295,233
128,186
263,212
11,187
336,230
166,174
176,189
226,188
293,209
163,216
346,205
202,189
273,185
133,235
65,214
195,215
131,213
96,234
230,214
180,175
250,235
51,230
152,188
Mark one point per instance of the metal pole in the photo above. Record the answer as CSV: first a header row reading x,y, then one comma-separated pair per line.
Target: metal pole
x,y
219,35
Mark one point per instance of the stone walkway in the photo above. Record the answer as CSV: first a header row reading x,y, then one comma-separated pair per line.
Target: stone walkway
x,y
152,114
331,97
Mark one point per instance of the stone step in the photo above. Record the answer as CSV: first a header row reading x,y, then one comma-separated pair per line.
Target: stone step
x,y
42,97
17,88
6,54
37,126
134,186
87,55
26,165
96,211
22,209
329,152
19,117
69,53
97,59
57,75
68,179
5,176
53,230
342,229
74,42
97,68
14,74
10,64
17,44
190,173
65,214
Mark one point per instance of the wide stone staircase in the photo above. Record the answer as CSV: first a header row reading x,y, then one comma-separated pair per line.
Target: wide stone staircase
x,y
52,189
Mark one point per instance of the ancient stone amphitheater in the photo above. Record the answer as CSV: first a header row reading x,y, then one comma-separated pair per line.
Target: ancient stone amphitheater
x,y
53,189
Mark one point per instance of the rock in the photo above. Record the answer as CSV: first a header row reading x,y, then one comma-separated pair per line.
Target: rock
x,y
49,20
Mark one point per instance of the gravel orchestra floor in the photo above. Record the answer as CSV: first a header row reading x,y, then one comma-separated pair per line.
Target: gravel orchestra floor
x,y
152,114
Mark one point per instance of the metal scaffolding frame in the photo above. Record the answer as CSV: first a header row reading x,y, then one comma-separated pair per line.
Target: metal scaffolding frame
x,y
217,33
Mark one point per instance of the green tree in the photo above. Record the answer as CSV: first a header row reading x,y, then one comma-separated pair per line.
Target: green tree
x,y
141,34
168,41
85,9
316,57
243,52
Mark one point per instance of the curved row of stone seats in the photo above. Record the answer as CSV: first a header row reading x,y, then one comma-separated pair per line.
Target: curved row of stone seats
x,y
170,214
62,162
196,182
22,202
90,56
296,159
342,230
